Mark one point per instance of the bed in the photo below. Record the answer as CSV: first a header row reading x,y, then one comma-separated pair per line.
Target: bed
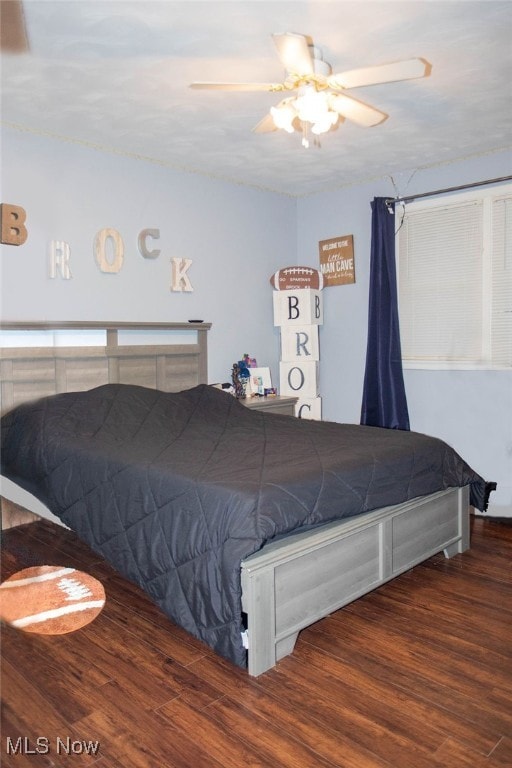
x,y
243,526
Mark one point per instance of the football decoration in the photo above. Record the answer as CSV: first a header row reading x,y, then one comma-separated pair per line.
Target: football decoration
x,y
292,278
50,599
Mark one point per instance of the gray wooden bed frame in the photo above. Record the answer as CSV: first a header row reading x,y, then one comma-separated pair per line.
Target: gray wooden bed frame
x,y
290,583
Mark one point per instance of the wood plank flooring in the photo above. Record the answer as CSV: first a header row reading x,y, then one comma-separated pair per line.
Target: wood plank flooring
x,y
417,674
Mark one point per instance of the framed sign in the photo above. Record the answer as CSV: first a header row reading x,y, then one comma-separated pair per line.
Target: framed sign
x,y
259,380
337,260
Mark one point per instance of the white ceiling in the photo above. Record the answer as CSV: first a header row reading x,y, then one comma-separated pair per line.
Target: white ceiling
x,y
115,75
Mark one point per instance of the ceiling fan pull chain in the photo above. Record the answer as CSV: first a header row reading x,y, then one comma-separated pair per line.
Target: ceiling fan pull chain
x,y
305,139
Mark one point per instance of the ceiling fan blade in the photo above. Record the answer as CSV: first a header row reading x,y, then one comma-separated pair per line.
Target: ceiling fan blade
x,y
266,125
356,111
268,87
13,36
294,52
384,73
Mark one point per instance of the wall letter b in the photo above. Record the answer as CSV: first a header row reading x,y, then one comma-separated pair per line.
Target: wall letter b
x,y
13,218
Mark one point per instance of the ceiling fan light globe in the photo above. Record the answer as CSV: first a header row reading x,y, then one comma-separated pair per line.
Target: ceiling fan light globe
x,y
283,117
313,107
324,124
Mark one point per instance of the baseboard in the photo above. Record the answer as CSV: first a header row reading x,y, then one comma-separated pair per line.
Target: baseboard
x,y
496,511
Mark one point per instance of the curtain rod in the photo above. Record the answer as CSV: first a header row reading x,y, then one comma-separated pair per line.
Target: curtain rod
x,y
448,189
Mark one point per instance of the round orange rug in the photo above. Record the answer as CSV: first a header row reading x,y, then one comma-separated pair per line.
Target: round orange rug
x,y
50,600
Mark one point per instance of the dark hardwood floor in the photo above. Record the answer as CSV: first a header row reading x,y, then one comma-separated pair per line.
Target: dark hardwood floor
x,y
417,674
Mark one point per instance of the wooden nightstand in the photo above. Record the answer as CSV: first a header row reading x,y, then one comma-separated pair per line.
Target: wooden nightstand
x,y
278,404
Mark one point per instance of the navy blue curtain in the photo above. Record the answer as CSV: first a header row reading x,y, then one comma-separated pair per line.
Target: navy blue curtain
x,y
384,400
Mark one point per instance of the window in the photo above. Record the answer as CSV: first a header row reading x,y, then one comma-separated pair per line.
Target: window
x,y
455,280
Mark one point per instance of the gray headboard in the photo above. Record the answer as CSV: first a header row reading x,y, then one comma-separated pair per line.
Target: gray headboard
x,y
44,358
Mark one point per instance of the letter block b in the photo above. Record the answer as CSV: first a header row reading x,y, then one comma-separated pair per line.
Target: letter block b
x,y
298,307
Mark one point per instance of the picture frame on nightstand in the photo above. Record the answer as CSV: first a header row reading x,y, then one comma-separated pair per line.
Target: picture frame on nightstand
x,y
260,379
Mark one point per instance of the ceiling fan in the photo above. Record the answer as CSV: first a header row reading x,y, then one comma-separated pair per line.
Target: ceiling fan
x,y
321,101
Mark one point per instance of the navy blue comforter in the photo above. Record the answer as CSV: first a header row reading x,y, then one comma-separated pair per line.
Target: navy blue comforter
x,y
176,489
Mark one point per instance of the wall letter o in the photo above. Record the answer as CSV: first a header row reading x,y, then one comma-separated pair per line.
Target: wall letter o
x,y
114,263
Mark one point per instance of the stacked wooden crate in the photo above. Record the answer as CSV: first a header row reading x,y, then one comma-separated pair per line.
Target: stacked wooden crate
x,y
299,314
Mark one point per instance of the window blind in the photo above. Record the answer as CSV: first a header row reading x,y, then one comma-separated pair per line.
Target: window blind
x,y
455,282
501,314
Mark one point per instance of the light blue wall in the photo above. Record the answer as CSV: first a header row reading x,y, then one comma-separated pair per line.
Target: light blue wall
x,y
471,410
236,238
